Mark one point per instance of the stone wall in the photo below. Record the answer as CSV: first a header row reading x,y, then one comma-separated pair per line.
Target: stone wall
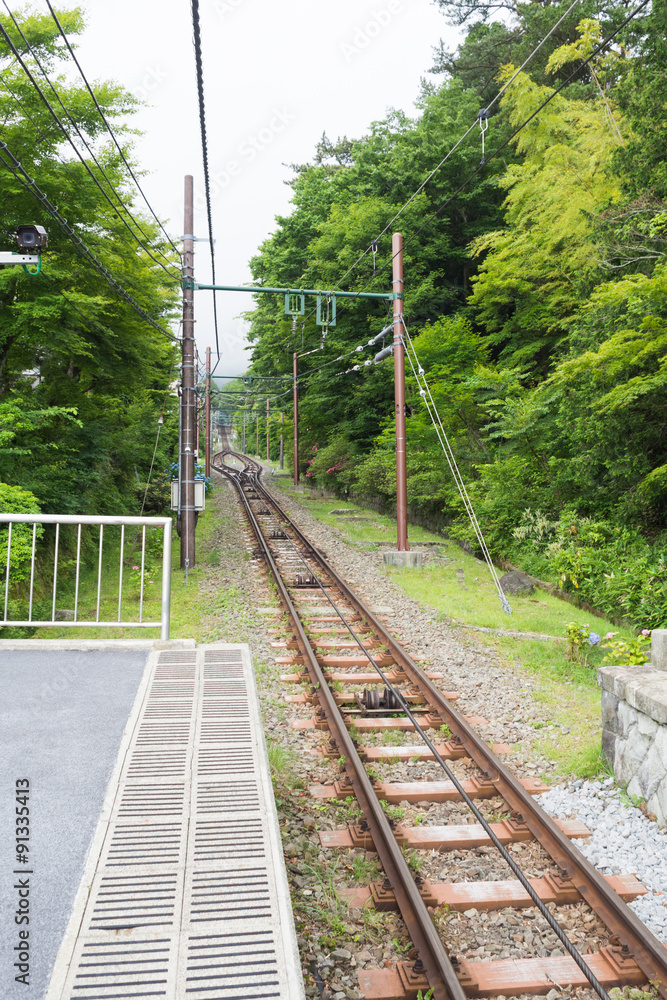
x,y
634,726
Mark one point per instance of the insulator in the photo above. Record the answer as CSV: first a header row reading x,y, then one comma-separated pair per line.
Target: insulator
x,y
384,353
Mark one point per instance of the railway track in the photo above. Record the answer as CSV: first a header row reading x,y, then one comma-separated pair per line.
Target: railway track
x,y
342,650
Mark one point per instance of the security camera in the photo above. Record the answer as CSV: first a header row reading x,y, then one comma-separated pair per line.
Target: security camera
x,y
33,238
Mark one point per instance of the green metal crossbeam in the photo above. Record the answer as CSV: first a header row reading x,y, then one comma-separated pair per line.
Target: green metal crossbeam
x,y
291,291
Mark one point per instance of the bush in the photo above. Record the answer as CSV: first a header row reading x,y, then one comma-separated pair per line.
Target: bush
x,y
609,565
332,466
14,500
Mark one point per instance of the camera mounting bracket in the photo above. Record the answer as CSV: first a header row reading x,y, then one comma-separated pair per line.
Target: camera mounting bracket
x,y
7,257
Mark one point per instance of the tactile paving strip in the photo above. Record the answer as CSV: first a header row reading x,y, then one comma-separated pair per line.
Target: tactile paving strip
x,y
185,895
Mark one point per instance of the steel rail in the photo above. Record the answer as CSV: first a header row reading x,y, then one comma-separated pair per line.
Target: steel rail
x,y
438,968
648,952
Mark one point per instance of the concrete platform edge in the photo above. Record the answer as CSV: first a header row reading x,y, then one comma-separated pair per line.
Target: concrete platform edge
x,y
86,645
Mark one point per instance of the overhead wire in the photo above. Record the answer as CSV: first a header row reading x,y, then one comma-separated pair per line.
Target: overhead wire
x,y
15,166
459,141
434,171
496,151
69,139
108,126
80,133
598,48
196,28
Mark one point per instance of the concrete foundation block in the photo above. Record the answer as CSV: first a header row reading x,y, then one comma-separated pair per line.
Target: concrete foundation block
x,y
405,560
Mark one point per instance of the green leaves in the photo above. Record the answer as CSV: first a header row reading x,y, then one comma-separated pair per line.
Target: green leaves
x,y
82,375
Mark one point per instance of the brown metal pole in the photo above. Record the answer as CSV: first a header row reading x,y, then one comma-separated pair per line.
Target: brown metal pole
x,y
399,395
188,398
282,443
296,421
208,411
268,455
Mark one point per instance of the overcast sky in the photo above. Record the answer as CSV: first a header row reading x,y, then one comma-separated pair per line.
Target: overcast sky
x,y
277,73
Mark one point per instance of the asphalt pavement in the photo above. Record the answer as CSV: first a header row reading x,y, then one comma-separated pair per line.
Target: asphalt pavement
x,y
62,717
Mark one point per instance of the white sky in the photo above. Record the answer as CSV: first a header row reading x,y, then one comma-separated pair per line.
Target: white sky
x,y
277,74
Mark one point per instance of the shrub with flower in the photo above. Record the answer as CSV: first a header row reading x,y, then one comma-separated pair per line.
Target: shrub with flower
x,y
135,579
622,652
580,640
628,652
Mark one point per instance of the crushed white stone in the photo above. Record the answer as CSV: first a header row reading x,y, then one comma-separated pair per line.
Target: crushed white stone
x,y
625,841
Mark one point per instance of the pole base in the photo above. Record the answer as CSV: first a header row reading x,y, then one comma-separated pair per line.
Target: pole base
x,y
405,560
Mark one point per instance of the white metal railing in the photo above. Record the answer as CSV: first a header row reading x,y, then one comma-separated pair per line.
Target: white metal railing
x,y
79,519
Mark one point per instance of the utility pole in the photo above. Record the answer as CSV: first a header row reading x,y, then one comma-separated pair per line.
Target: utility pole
x,y
296,418
282,443
243,444
268,453
208,411
399,395
186,500
257,445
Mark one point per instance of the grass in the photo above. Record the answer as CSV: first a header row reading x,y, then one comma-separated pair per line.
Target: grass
x,y
458,587
282,762
196,613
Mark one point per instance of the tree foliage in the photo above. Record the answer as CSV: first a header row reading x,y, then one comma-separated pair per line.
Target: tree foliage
x,y
536,297
82,375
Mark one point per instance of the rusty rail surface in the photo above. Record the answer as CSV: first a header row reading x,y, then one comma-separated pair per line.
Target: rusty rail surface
x,y
634,939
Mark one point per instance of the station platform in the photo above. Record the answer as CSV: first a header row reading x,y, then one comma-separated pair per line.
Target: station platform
x,y
155,864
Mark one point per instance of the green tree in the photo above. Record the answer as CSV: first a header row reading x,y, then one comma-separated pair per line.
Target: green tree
x,y
85,372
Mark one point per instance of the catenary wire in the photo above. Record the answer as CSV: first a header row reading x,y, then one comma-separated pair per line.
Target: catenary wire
x,y
21,174
196,28
75,126
69,139
108,126
453,149
598,48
